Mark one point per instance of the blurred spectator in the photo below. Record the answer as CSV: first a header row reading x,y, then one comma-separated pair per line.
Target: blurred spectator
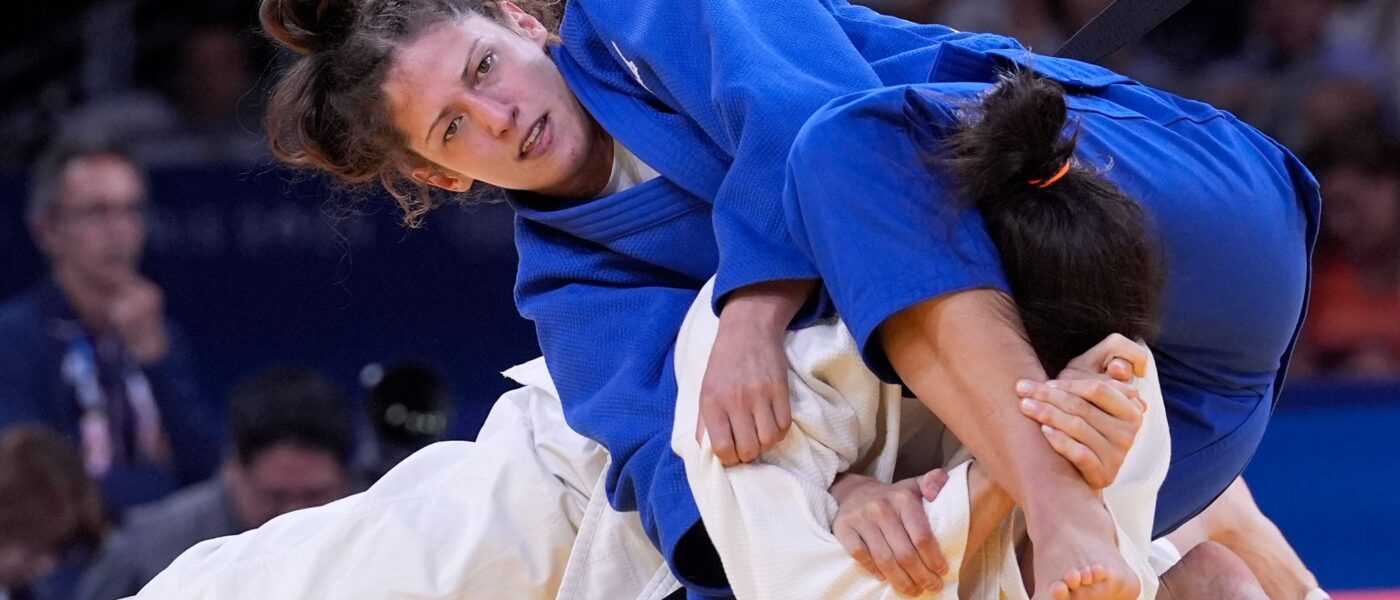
x,y
1376,23
1353,326
88,351
409,408
1045,25
209,113
47,505
1290,51
290,449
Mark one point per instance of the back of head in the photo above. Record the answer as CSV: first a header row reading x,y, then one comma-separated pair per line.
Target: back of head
x,y
289,405
328,111
47,499
1077,252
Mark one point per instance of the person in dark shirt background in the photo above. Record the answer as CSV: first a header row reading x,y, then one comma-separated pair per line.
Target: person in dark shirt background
x,y
88,350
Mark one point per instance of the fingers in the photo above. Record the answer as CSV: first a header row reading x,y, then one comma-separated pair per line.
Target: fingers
x,y
1115,399
1079,455
906,555
921,537
782,409
766,422
883,557
855,546
1115,346
716,422
1072,415
745,436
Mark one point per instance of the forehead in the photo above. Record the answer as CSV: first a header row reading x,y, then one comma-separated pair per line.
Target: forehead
x,y
427,70
102,177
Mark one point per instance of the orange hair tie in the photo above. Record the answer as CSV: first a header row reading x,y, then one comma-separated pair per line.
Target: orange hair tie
x,y
1045,183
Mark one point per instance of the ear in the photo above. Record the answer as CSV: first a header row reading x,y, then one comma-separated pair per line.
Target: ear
x,y
440,179
524,23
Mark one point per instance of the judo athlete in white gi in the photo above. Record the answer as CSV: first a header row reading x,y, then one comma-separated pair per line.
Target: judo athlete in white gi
x,y
518,514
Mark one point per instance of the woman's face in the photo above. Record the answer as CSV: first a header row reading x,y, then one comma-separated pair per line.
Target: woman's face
x,y
484,101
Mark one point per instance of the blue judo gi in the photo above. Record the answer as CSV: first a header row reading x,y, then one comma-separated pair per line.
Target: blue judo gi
x,y
710,94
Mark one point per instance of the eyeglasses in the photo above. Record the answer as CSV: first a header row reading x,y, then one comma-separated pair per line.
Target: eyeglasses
x,y
103,212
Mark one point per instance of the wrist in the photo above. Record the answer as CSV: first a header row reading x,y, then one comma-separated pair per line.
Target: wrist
x,y
770,305
847,484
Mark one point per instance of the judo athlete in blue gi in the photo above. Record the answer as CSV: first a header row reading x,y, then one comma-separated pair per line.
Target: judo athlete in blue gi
x,y
914,276
646,152
705,95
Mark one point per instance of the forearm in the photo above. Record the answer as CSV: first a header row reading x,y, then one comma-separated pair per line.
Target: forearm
x,y
962,355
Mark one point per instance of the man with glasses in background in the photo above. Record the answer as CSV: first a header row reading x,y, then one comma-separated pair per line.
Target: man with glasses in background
x,y
88,350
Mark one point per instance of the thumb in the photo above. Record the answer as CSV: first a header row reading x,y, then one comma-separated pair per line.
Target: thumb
x,y
932,482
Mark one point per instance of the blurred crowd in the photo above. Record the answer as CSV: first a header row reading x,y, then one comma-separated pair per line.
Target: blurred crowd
x,y
111,460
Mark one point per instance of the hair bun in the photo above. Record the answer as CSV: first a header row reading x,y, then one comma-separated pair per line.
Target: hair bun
x,y
308,26
1013,136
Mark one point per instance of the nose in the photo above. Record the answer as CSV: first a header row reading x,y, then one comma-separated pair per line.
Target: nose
x,y
494,116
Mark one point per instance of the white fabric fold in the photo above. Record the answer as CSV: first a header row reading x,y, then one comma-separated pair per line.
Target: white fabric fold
x,y
771,519
517,514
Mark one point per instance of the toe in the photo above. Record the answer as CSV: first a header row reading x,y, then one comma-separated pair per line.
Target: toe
x,y
1072,579
1100,573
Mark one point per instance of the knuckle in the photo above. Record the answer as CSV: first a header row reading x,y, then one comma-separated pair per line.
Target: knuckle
x,y
1081,454
1095,388
1134,420
920,537
1078,424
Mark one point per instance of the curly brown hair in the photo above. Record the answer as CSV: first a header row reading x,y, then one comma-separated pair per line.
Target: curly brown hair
x,y
328,111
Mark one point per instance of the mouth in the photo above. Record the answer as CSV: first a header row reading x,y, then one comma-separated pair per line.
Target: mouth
x,y
533,141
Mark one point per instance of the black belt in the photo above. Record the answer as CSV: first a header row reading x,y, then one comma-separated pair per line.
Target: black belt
x,y
1122,23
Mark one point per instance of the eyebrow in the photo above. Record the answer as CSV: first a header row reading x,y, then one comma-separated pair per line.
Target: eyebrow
x,y
446,109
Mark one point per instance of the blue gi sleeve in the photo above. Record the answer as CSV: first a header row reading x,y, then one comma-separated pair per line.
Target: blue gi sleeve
x,y
881,226
749,73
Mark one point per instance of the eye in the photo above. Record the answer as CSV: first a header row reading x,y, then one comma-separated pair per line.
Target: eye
x,y
451,129
485,65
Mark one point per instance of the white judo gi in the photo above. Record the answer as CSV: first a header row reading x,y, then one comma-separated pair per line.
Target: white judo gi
x,y
771,519
521,513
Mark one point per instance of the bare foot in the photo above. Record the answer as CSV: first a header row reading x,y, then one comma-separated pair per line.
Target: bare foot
x,y
1074,557
1210,570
